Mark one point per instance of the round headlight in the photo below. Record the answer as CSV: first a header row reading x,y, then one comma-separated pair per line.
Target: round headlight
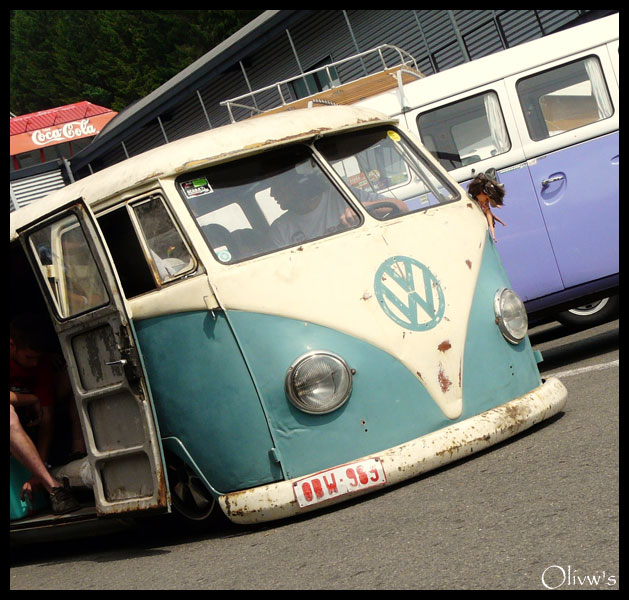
x,y
511,315
318,382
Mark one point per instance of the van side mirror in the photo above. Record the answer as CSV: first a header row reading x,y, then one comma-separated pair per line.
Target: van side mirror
x,y
491,173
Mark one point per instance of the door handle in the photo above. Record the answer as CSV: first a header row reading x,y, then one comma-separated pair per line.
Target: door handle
x,y
122,362
550,180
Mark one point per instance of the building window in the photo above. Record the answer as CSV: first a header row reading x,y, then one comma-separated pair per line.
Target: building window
x,y
28,159
315,82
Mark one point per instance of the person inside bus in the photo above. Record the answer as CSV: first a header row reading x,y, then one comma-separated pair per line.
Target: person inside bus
x,y
23,449
312,209
33,383
315,208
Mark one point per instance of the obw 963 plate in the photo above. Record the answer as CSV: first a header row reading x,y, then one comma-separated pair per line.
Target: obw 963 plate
x,y
339,481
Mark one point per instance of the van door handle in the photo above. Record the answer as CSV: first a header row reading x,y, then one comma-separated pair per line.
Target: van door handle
x,y
550,180
122,362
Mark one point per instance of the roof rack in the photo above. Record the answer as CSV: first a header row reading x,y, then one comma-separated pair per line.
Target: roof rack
x,y
346,93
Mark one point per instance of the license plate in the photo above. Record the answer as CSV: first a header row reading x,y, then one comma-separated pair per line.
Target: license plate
x,y
346,479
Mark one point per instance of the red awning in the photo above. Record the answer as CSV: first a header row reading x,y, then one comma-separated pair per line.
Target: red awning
x,y
56,116
56,125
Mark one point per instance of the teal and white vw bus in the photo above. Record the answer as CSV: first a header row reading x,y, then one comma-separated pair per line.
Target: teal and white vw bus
x,y
274,316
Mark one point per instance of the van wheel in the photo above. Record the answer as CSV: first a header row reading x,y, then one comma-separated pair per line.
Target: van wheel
x,y
591,314
190,497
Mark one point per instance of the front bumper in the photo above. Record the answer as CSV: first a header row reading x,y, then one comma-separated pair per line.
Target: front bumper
x,y
423,454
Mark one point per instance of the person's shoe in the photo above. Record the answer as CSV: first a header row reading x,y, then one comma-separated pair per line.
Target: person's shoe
x,y
62,500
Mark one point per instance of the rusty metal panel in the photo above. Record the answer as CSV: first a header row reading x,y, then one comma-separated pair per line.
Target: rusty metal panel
x,y
403,462
121,435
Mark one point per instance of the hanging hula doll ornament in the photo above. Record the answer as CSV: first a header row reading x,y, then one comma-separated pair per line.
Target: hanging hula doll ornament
x,y
488,193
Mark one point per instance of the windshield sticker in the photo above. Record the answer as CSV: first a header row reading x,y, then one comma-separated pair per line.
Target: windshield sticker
x,y
394,135
223,254
409,294
196,187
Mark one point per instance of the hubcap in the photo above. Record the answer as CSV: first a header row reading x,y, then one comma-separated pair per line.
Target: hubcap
x,y
589,309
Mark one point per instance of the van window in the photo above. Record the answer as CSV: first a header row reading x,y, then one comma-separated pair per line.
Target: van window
x,y
68,267
564,98
126,251
286,197
464,132
270,201
155,235
166,246
379,165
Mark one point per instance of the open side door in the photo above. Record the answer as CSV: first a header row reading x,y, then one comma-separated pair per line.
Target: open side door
x,y
75,274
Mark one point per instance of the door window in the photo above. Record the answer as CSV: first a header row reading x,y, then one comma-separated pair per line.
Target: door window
x,y
68,267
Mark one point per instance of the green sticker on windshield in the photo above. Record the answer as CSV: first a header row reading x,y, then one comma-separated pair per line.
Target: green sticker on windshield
x,y
196,187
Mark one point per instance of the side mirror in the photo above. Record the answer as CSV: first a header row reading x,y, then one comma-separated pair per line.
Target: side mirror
x,y
491,173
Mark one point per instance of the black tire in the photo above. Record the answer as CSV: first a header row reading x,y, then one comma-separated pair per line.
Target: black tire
x,y
591,314
193,505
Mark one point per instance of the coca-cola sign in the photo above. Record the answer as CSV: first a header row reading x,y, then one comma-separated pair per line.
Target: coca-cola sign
x,y
68,131
58,134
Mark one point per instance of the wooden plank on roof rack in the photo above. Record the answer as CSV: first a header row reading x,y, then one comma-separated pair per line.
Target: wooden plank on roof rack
x,y
354,91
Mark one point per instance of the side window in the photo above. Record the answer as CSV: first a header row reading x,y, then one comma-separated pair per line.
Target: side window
x,y
466,131
167,249
125,248
564,98
145,245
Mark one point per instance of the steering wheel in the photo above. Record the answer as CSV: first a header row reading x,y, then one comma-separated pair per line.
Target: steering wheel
x,y
394,212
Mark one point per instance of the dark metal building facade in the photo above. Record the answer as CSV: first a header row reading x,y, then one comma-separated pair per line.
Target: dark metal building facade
x,y
280,44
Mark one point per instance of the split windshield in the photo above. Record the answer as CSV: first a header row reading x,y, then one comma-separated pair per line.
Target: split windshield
x,y
289,196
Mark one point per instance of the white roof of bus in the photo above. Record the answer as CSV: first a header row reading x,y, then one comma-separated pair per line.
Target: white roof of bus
x,y
215,145
505,63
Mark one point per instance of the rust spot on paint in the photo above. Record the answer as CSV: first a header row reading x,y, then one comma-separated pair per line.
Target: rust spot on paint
x,y
418,374
445,345
468,263
469,205
444,382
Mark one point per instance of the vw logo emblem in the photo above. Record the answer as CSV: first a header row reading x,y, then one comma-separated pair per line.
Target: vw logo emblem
x,y
409,293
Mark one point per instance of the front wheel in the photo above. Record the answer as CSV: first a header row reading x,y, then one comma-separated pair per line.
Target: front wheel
x,y
591,314
192,502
